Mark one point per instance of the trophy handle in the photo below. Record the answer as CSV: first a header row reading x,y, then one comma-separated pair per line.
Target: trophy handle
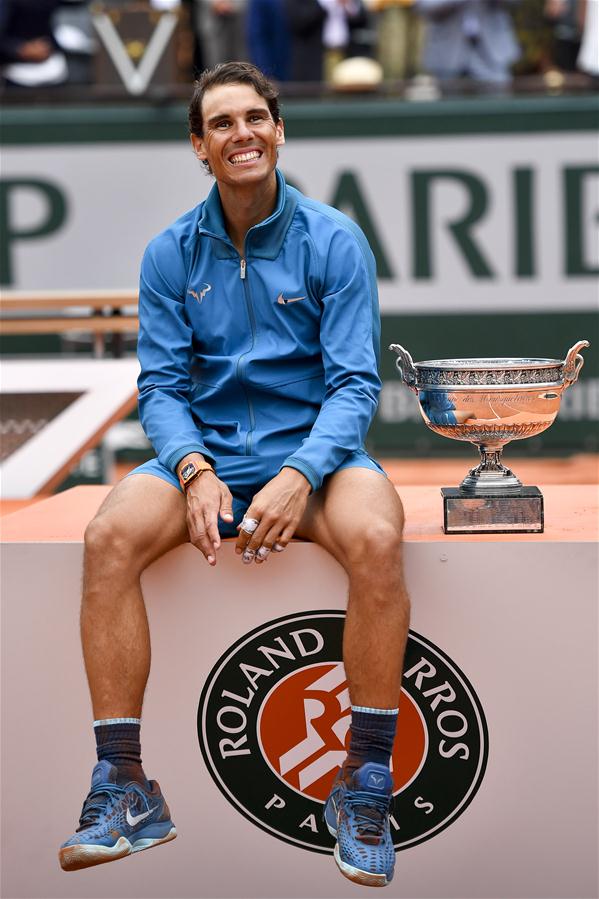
x,y
405,366
573,363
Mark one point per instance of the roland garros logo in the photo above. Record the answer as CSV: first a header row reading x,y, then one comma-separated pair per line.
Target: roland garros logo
x,y
273,726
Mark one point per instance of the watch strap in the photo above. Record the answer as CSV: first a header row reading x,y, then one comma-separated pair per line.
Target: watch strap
x,y
191,471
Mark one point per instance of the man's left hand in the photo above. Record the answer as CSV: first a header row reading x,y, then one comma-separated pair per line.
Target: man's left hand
x,y
278,509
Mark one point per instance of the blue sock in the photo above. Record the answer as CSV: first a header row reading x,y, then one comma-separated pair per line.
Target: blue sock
x,y
372,733
118,742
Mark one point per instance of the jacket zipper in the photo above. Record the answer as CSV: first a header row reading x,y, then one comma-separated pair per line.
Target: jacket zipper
x,y
242,275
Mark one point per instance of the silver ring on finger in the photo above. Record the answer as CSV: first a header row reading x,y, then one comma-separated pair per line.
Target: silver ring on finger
x,y
249,525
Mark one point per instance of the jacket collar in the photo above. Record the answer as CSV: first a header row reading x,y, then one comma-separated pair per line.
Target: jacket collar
x,y
263,240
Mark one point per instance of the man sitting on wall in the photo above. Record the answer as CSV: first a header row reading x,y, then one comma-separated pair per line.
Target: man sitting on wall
x,y
258,346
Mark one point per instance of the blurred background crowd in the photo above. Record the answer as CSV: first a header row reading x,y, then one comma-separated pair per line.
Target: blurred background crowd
x,y
428,47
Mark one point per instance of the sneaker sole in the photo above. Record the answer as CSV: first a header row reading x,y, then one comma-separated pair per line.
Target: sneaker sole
x,y
73,858
364,878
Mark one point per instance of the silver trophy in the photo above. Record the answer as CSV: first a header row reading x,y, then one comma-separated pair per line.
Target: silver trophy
x,y
490,402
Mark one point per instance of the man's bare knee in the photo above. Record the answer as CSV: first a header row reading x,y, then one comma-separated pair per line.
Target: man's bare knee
x,y
109,548
376,547
140,521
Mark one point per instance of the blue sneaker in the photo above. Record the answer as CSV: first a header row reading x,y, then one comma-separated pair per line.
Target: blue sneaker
x,y
357,814
116,821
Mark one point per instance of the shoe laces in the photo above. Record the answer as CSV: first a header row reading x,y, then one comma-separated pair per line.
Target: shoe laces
x,y
370,813
97,803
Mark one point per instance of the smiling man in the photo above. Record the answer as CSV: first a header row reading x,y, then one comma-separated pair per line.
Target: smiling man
x,y
258,343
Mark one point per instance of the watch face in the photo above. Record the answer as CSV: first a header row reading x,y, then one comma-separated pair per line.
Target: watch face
x,y
187,471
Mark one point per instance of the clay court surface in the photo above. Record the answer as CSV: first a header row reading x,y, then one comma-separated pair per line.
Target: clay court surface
x,y
579,469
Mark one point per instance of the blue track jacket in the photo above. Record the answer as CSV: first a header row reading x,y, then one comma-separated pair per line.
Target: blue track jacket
x,y
273,354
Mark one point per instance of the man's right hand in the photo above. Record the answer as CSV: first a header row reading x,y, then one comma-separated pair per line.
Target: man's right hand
x,y
207,498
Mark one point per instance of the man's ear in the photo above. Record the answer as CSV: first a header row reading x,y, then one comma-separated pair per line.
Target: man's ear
x,y
280,130
198,146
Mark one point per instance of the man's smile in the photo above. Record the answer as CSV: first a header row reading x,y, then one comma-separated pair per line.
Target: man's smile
x,y
244,156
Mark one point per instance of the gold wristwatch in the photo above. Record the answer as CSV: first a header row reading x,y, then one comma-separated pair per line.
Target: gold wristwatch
x,y
191,471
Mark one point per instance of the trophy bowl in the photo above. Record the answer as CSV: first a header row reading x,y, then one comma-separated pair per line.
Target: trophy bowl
x,y
489,402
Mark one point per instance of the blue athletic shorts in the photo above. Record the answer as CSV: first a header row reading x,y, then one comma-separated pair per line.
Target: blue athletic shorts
x,y
245,476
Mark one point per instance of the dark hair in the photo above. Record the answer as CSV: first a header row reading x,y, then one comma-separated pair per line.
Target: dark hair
x,y
230,73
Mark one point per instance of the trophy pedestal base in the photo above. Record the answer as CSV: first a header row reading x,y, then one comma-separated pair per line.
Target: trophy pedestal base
x,y
520,511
